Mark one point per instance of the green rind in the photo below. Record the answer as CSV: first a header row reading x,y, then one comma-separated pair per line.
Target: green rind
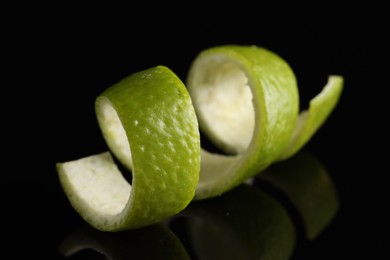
x,y
275,102
161,127
158,117
278,134
310,121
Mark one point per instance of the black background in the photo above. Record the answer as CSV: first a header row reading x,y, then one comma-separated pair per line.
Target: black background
x,y
58,64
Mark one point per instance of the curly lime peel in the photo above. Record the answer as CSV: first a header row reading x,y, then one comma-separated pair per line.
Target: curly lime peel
x,y
246,101
256,133
149,123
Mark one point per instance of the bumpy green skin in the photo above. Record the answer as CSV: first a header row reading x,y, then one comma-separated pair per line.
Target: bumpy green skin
x,y
160,123
275,102
278,133
157,114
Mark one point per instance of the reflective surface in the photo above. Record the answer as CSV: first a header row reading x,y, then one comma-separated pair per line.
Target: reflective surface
x,y
264,219
60,64
307,185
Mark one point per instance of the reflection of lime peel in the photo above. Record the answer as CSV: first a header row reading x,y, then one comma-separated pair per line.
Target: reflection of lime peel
x,y
153,242
308,186
244,223
149,123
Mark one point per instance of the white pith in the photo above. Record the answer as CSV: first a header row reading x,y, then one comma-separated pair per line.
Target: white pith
x,y
96,182
223,101
222,96
97,185
113,131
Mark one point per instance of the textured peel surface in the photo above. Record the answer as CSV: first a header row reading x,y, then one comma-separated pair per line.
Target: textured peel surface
x,y
244,98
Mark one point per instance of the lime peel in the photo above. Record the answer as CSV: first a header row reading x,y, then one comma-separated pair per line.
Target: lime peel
x,y
244,98
158,123
270,132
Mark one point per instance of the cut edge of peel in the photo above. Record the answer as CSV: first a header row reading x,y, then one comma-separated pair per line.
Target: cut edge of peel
x,y
310,120
97,204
